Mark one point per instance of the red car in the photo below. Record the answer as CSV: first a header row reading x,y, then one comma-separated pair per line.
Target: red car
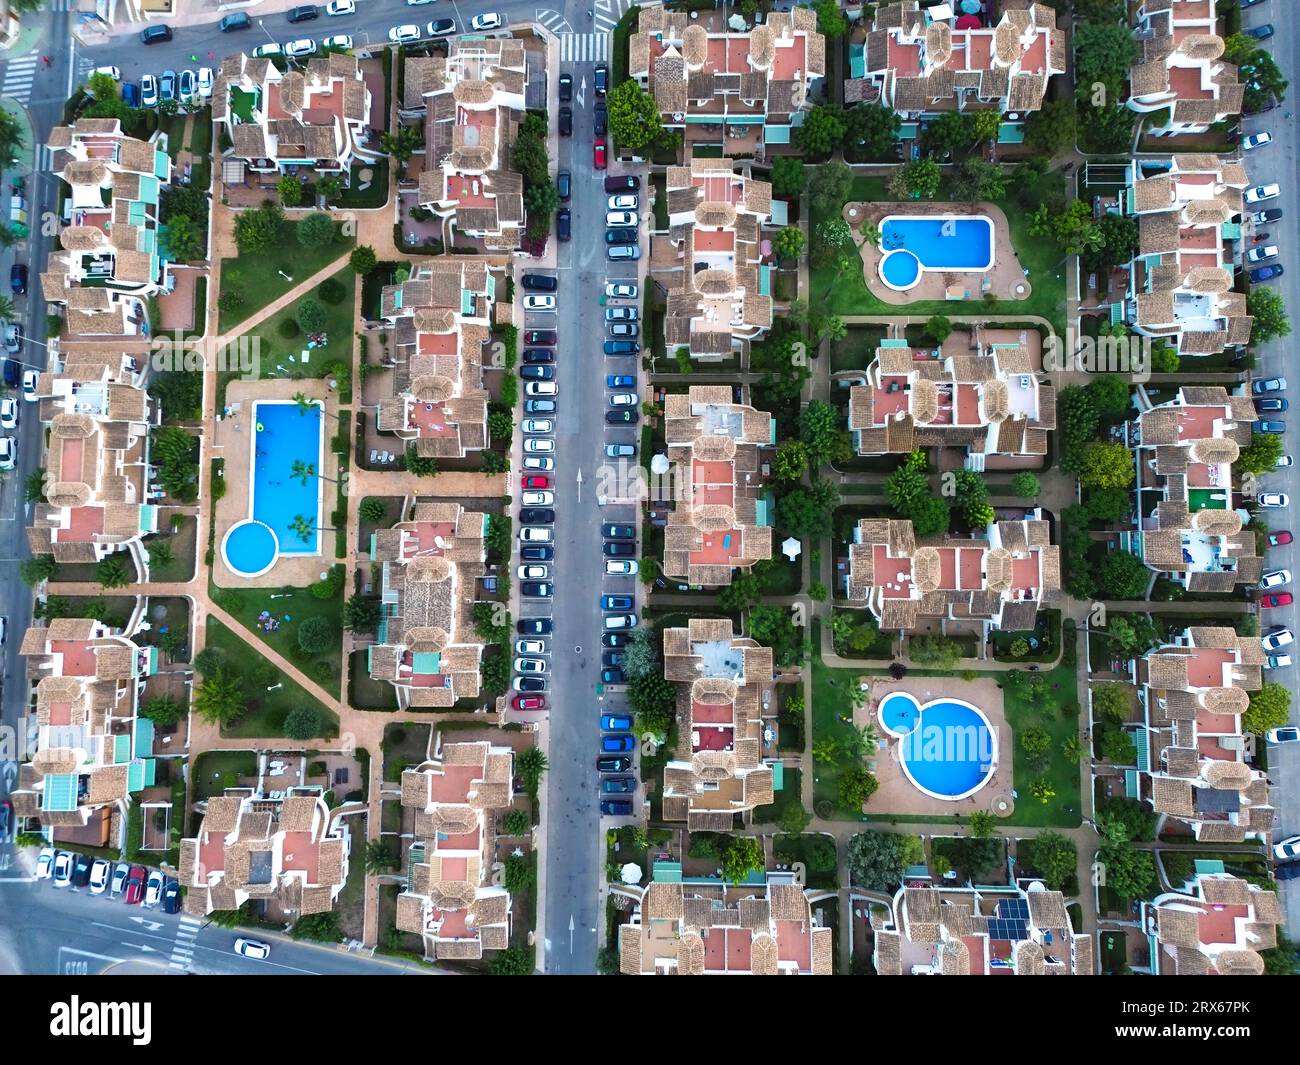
x,y
135,885
1280,537
1277,599
537,480
529,702
598,153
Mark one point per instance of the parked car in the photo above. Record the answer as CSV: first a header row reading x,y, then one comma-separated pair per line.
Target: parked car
x,y
487,21
539,282
1285,734
45,863
538,499
1255,140
131,94
304,13
598,153
529,572
1277,637
442,27
621,314
618,785
153,888
563,224
148,90
1284,462
1277,662
612,658
616,743
538,355
536,516
566,88
1275,599
1287,871
622,399
1282,536
533,372
619,252
167,85
621,290
539,303
541,553
623,183
620,621
13,337
617,602
1286,849
1277,405
531,665
599,118
155,34
186,88
252,948
528,702
613,765
1277,578
534,626
1265,273
564,185
31,382
1265,426
618,549
118,883
1259,33
622,808
1261,252
81,866
171,896
611,676
620,451
612,530
536,481
614,639
99,874
341,7
538,462
239,20
619,568
340,42
620,380
621,235
530,647
206,82
566,121
1266,216
264,51
616,722
622,417
534,389
539,445
620,218
1273,500
404,34
529,684
63,868
624,330
621,347
602,78
1268,384
134,891
1261,193
545,337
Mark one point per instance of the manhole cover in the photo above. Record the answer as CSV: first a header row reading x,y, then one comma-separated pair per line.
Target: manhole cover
x,y
578,649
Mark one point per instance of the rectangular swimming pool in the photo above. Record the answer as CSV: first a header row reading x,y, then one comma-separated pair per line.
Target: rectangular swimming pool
x,y
286,432
941,242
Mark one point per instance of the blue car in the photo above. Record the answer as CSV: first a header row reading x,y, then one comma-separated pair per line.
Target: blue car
x,y
131,94
618,785
1265,426
618,743
1260,33
620,380
616,722
616,602
1265,273
621,808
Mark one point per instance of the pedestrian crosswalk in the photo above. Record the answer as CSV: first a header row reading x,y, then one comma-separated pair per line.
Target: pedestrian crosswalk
x,y
44,158
18,77
608,12
553,21
183,949
584,47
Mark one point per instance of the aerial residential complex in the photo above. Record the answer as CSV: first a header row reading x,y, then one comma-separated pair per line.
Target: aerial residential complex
x,y
702,490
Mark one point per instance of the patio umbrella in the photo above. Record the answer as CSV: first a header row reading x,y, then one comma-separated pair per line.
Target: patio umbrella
x,y
791,548
630,873
659,464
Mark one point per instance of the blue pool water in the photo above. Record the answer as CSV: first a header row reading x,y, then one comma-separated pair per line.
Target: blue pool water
x,y
901,269
249,547
285,432
942,243
948,749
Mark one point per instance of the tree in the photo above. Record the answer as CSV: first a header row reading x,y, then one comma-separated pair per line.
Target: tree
x,y
361,614
290,190
373,510
329,188
794,819
1129,872
931,649
1123,819
529,156
543,199
818,427
532,765
1123,576
1111,702
807,511
311,315
402,144
1026,485
163,710
634,122
831,237
917,179
1106,465
1052,129
316,635
908,483
788,176
791,461
1055,858
774,627
1073,229
742,855
787,244
653,699
185,240
114,571
871,131
317,230
1260,455
423,465
1119,243
876,860
821,132
982,824
641,655
259,231
828,187
1103,54
1106,130
1117,746
1259,71
1268,310
1269,707
938,328
514,961
380,856
1108,504
363,259
220,697
1036,742
856,786
831,21
302,723
521,875
1110,395
745,589
960,131
1131,635
929,516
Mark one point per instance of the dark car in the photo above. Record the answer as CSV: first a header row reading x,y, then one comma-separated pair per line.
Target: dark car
x,y
613,765
1276,539
611,676
1263,425
81,864
237,21
602,78
615,807
612,658
618,742
18,278
304,13
531,684
1271,404
622,417
612,530
622,236
539,282
617,602
537,373
623,183
12,373
171,897
134,885
534,626
537,553
563,224
538,355
615,639
536,516
1264,217
539,406
616,722
618,785
1260,33
599,116
566,88
566,121
167,86
6,817
619,549
540,336
1289,871
564,185
131,94
1265,273
155,34
621,347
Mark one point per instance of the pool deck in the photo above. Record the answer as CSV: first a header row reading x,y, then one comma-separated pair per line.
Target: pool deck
x,y
234,436
1006,280
897,794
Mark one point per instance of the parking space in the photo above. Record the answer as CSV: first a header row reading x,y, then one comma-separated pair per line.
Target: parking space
x,y
117,882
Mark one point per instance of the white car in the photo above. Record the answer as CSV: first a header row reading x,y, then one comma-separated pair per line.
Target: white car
x,y
62,869
1260,193
620,218
341,7
1256,140
1277,638
622,399
1287,849
266,51
153,888
539,445
539,303
206,82
1275,578
404,34
31,379
340,42
1284,461
532,573
540,463
8,413
535,534
8,453
1274,500
541,390
418,3
99,876
1285,734
619,567
620,290
298,49
118,883
538,425
112,72
252,948
489,21
530,647
45,864
1278,662
1266,251
538,499
620,621
531,665
624,201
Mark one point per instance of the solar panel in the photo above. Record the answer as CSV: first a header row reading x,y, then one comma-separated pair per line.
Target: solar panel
x,y
1010,921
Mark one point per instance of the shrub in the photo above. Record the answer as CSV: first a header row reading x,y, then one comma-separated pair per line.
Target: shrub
x,y
332,291
317,635
303,723
288,328
311,314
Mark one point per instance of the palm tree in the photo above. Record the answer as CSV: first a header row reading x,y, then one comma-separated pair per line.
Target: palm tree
x,y
305,471
220,697
304,527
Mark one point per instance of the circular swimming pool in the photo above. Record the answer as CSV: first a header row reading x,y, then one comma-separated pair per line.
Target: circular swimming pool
x,y
250,548
900,269
948,749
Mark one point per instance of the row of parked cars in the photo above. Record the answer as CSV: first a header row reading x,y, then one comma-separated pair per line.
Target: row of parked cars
x,y
134,884
614,764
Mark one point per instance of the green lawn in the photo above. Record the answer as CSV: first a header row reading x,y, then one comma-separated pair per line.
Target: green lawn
x,y
374,195
364,693
789,795
259,279
182,544
215,771
266,709
1043,260
790,849
404,745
